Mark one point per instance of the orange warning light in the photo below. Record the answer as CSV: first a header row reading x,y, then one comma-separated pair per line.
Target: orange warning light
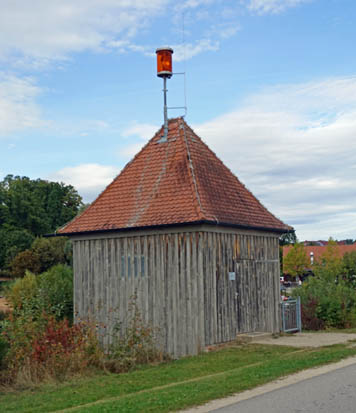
x,y
164,62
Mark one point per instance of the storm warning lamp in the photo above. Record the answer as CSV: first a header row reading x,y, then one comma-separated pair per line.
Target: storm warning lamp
x,y
164,62
164,70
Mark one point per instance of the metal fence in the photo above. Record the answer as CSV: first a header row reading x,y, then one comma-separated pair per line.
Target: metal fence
x,y
291,315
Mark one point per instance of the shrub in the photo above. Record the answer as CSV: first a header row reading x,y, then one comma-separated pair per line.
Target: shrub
x,y
52,251
25,260
50,292
327,303
23,291
56,291
135,345
4,347
43,254
349,268
46,348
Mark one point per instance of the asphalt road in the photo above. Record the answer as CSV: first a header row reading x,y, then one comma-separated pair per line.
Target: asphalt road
x,y
333,392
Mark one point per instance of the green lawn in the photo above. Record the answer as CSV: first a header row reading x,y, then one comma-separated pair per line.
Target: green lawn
x,y
175,385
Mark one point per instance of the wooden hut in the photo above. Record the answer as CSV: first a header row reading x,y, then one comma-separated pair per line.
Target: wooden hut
x,y
180,230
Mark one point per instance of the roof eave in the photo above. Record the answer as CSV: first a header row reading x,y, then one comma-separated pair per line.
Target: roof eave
x,y
179,224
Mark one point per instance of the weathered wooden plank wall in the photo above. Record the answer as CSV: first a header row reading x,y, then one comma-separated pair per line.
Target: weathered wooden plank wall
x,y
182,285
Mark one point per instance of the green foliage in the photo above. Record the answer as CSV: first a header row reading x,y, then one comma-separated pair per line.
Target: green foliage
x,y
349,268
329,266
50,292
288,238
12,241
30,208
24,261
334,304
296,261
37,205
43,254
4,348
329,298
56,291
134,345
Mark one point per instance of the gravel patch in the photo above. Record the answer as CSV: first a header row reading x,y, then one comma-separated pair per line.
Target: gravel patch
x,y
305,339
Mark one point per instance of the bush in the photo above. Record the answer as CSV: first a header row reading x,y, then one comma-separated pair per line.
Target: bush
x,y
46,348
43,254
4,347
23,291
327,303
50,292
56,291
25,261
52,251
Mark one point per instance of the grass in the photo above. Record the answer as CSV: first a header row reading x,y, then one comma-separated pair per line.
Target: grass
x,y
175,385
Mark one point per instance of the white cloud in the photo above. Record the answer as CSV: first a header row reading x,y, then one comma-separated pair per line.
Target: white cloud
x,y
43,29
181,51
143,131
88,179
192,4
273,6
189,50
18,108
294,146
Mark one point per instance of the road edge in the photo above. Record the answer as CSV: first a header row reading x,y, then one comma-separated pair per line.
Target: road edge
x,y
271,386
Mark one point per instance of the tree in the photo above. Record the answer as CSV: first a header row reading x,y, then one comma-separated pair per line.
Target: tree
x,y
37,205
329,264
296,261
31,208
12,241
288,238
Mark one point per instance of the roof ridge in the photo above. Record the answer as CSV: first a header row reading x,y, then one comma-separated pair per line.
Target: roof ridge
x,y
201,213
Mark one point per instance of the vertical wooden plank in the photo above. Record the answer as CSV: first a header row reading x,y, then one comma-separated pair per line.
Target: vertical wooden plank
x,y
200,298
77,281
161,317
170,291
145,278
214,289
194,303
184,291
138,275
224,290
189,295
204,248
178,309
92,274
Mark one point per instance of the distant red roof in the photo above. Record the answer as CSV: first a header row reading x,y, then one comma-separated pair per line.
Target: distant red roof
x,y
176,182
318,250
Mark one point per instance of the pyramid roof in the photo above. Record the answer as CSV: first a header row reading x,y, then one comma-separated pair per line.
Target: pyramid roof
x,y
180,181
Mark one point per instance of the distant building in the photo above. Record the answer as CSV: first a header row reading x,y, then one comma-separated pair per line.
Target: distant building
x,y
314,252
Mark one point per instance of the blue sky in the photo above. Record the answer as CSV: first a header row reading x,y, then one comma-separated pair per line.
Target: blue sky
x,y
271,88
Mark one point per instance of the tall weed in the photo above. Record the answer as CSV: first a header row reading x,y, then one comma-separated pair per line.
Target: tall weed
x,y
135,345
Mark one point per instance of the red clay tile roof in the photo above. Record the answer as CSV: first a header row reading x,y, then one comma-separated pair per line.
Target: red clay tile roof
x,y
179,181
319,250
